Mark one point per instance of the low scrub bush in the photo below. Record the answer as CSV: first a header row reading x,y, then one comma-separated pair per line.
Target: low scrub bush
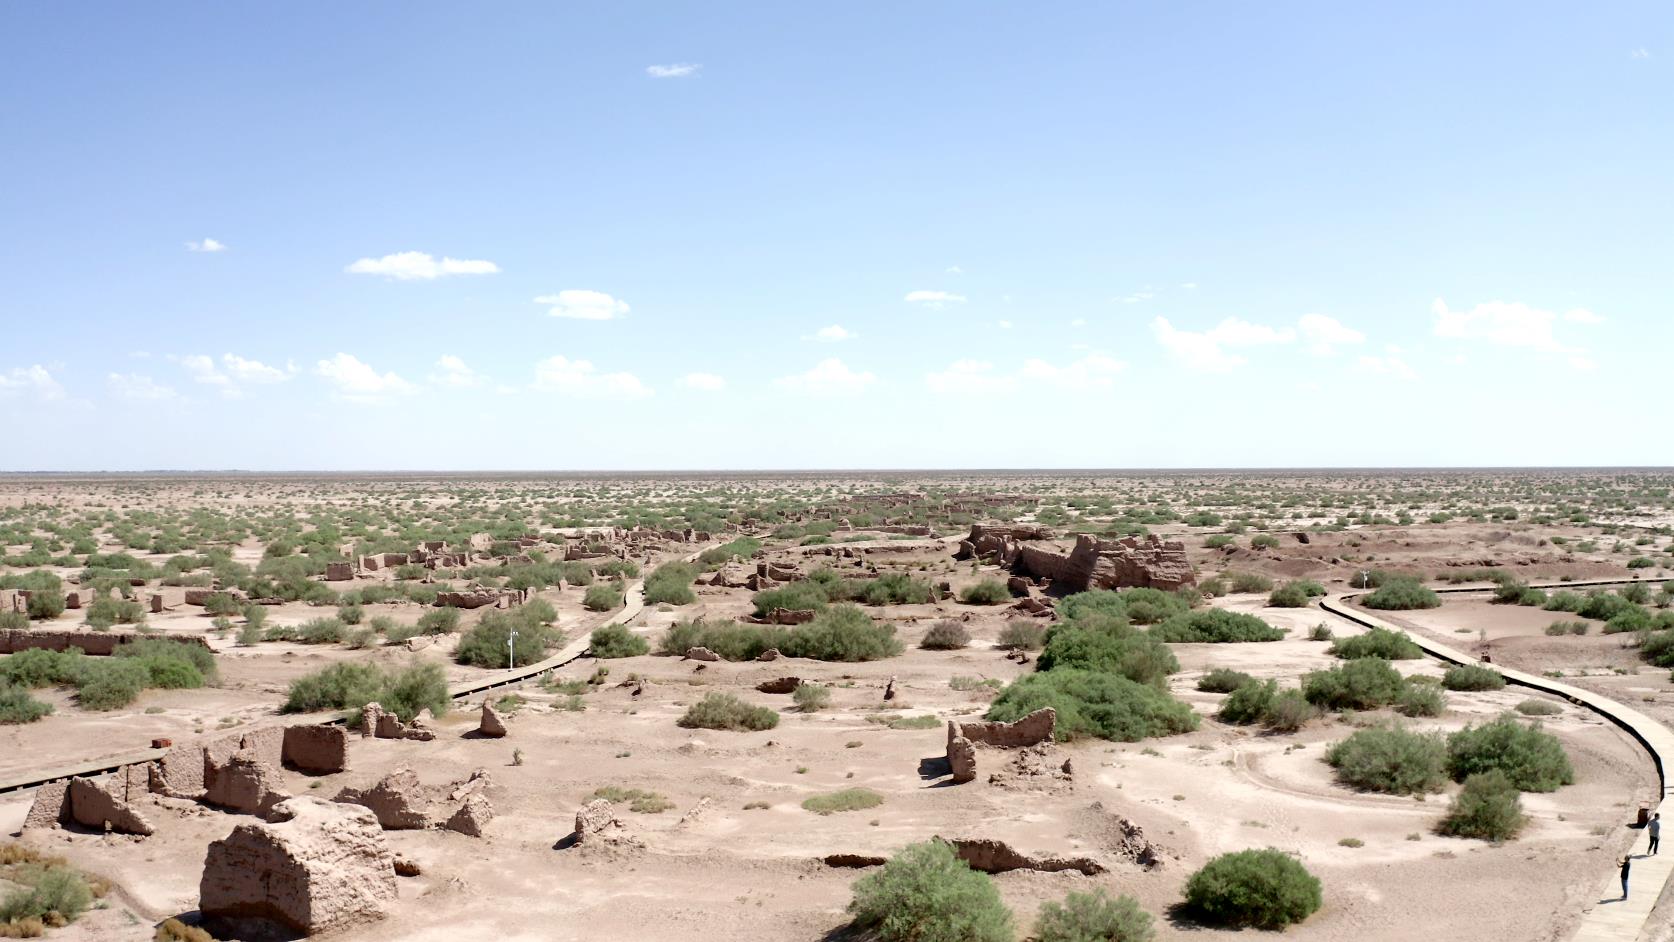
x,y
19,706
1093,917
1115,648
849,799
1215,625
1249,582
1390,759
1378,642
1401,593
111,683
796,597
614,641
1022,636
1289,595
485,645
352,685
602,597
841,633
925,893
1539,708
1567,627
1487,808
1263,889
1288,712
49,895
1093,703
1532,759
1247,703
1361,684
895,588
1472,677
1223,680
727,712
946,635
638,800
671,584
1420,699
986,592
731,640
439,621
811,698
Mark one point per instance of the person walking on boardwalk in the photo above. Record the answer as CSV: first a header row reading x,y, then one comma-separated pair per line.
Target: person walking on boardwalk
x,y
1627,864
1655,830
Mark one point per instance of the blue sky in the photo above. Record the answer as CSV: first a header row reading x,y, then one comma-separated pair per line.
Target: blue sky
x,y
626,236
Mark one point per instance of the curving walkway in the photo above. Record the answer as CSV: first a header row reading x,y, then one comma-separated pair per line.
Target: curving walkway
x,y
1607,920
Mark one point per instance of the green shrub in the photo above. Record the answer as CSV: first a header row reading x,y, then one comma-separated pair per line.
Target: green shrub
x,y
485,644
1390,759
725,711
1361,684
1264,541
1401,593
1223,680
1022,636
1215,625
53,894
986,592
1472,677
1567,627
108,611
13,621
731,640
1288,712
638,800
1604,605
39,667
439,621
849,799
1091,703
671,584
1289,595
841,633
1117,649
614,641
1539,708
741,548
811,698
896,588
1419,699
1213,587
925,893
352,685
320,631
1093,917
1265,889
1321,632
1565,600
111,683
797,597
18,706
946,635
1378,642
45,603
1248,703
1488,808
602,597
1531,758
1249,582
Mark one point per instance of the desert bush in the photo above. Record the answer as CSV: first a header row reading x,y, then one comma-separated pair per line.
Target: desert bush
x,y
796,597
485,644
946,635
1361,684
925,893
1223,680
741,548
1401,593
671,584
614,641
1488,808
841,633
1289,595
1532,707
45,603
1604,605
985,592
173,930
221,603
1264,541
18,706
1265,889
1378,642
602,597
1472,677
1420,699
1247,704
638,800
1288,712
1215,625
107,611
13,621
1091,703
733,641
51,893
1022,636
1213,587
1116,648
39,667
895,588
111,683
1093,917
1531,758
811,698
352,685
439,621
320,631
1249,582
1390,759
848,799
1567,627
1218,541
1321,632
725,711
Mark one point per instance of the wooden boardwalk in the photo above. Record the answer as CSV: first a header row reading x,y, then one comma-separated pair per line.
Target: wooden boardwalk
x,y
1610,919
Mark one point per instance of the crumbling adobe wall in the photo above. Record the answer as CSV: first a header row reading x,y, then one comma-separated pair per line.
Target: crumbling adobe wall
x,y
13,640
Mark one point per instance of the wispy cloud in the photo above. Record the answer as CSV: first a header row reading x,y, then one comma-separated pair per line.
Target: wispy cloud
x,y
704,382
420,266
934,300
138,387
1640,53
580,304
580,378
1323,335
452,372
829,377
966,377
1388,366
207,245
1508,324
231,372
359,382
1207,351
674,70
33,380
836,333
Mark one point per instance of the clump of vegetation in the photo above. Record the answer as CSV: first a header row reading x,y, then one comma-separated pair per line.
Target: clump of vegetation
x,y
670,584
1472,677
602,597
439,621
637,800
352,685
1401,593
1487,808
925,893
1539,708
1361,684
1420,699
895,588
19,706
1093,917
1223,680
727,712
811,698
985,592
1390,759
848,799
1215,625
1378,642
1249,582
1532,759
614,641
1295,594
1567,626
946,635
1099,643
45,892
486,644
1094,703
1022,636
842,633
1263,889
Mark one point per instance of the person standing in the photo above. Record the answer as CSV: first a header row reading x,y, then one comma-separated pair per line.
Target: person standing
x,y
1627,864
1655,829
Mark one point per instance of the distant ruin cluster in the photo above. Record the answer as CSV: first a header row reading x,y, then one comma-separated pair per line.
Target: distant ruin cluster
x,y
1126,563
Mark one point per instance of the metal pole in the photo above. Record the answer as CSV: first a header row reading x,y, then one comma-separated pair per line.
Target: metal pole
x,y
511,650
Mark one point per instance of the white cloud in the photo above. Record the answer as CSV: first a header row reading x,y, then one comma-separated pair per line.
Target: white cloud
x,y
836,333
358,381
584,305
934,300
202,369
830,377
1508,324
252,371
581,378
674,70
964,377
137,386
1388,366
954,270
1079,322
706,382
1205,350
1005,325
1324,334
232,371
207,245
30,379
1583,363
451,371
1189,285
420,266
1640,53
